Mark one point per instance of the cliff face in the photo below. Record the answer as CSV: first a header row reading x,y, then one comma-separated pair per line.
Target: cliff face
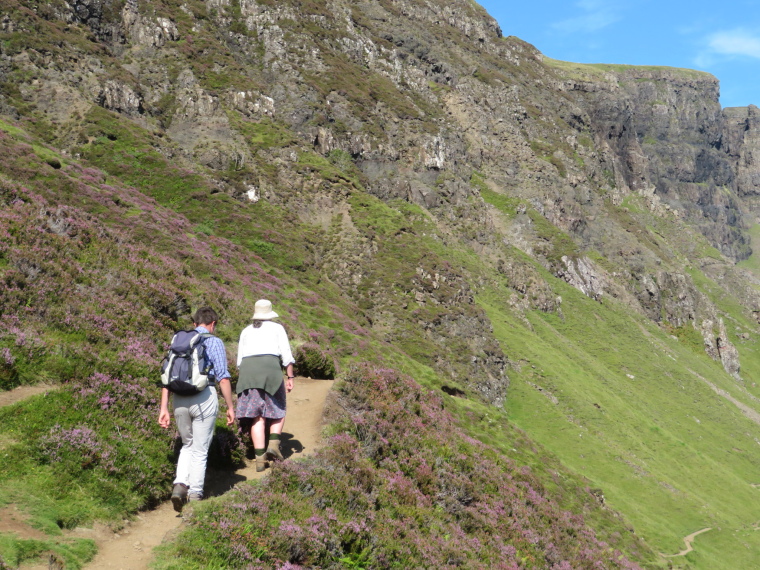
x,y
678,124
426,104
741,141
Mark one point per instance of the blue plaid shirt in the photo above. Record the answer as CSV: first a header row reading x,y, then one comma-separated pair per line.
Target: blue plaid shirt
x,y
217,354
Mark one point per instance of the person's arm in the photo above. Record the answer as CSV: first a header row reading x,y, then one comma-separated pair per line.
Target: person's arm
x,y
164,417
226,387
289,383
287,357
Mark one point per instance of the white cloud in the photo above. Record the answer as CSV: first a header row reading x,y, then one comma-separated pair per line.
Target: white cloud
x,y
735,42
725,45
598,14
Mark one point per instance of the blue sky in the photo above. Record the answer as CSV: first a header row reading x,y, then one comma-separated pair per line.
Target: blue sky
x,y
722,38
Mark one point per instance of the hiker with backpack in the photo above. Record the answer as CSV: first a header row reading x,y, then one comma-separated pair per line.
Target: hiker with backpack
x,y
263,351
195,364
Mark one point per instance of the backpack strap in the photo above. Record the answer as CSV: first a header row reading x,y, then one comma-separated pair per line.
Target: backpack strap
x,y
201,339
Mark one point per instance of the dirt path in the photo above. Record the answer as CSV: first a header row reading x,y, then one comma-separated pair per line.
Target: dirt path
x,y
22,392
687,541
131,547
748,411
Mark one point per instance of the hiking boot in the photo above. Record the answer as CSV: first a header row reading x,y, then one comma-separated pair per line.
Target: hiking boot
x,y
273,451
194,497
179,496
261,463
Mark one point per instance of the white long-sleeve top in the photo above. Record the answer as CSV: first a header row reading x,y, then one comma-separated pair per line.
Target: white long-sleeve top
x,y
269,338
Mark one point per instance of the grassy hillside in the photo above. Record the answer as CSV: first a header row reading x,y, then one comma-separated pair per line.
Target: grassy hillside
x,y
97,276
667,435
626,405
635,410
416,195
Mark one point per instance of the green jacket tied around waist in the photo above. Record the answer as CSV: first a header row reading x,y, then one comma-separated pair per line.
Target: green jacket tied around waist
x,y
262,371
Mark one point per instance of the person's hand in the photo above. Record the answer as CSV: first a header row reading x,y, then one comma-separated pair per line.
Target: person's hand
x,y
164,419
230,416
289,384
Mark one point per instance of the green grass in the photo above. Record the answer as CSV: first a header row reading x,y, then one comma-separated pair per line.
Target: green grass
x,y
127,152
634,418
73,552
505,204
12,130
598,69
263,134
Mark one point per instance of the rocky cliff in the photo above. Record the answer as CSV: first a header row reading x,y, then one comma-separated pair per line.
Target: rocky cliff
x,y
427,104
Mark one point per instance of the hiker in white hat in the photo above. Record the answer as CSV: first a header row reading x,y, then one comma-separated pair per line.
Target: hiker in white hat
x,y
263,351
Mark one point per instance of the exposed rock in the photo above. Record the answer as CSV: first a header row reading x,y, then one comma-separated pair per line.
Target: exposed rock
x,y
664,130
741,140
59,102
144,32
465,16
433,153
581,274
253,104
531,291
487,370
677,297
219,157
196,103
98,15
427,103
357,145
729,356
120,98
718,347
200,125
6,24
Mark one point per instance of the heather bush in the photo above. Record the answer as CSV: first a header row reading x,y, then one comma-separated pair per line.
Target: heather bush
x,y
398,485
95,276
313,362
86,305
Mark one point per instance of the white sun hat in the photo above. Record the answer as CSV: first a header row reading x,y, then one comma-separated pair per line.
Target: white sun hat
x,y
262,311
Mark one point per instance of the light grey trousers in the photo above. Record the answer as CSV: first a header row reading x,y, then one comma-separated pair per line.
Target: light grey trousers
x,y
196,416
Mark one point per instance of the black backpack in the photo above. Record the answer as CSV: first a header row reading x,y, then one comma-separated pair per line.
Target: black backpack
x,y
187,369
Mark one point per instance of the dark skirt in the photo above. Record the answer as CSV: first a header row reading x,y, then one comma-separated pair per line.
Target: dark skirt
x,y
256,403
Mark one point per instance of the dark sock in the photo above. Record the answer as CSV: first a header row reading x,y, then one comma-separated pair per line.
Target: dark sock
x,y
259,452
274,436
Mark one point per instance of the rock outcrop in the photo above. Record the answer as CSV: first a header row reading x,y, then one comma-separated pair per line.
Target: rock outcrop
x,y
665,131
741,141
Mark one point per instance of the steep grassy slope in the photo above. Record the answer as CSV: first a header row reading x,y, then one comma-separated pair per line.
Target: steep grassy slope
x,y
667,434
637,412
96,277
410,189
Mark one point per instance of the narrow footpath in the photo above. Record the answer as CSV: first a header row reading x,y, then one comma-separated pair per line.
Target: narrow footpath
x,y
22,393
131,547
688,540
